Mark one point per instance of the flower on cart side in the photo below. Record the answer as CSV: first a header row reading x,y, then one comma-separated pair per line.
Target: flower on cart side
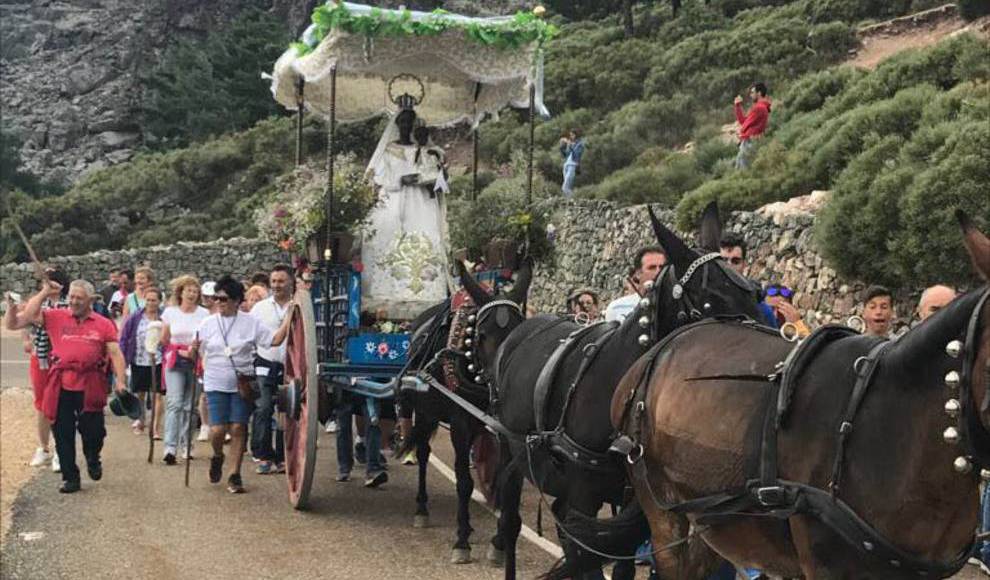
x,y
296,207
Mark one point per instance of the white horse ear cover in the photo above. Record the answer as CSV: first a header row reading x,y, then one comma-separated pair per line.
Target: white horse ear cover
x,y
153,338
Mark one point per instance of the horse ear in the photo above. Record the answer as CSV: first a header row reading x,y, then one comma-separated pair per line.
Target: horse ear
x,y
477,293
977,244
677,251
710,233
521,288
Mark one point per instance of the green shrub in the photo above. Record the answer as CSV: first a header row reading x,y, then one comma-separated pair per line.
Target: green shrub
x,y
972,9
710,152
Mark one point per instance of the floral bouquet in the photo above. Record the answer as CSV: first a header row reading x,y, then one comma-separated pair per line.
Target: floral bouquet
x,y
296,210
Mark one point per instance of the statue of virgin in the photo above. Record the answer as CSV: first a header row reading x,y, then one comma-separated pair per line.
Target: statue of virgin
x,y
405,250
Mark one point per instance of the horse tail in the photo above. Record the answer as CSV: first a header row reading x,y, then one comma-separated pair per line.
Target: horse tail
x,y
589,542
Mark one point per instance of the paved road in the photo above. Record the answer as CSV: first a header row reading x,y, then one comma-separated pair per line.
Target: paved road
x,y
140,522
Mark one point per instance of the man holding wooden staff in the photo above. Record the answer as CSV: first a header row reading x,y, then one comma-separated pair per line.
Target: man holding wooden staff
x,y
76,390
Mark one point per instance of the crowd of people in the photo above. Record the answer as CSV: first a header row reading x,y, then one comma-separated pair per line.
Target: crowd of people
x,y
219,342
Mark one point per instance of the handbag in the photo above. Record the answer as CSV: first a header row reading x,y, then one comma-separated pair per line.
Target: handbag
x,y
247,384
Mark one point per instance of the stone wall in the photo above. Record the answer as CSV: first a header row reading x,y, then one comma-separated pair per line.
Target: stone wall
x,y
595,244
207,260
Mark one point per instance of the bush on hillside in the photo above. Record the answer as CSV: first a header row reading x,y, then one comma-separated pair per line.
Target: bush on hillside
x,y
208,87
199,193
662,184
971,9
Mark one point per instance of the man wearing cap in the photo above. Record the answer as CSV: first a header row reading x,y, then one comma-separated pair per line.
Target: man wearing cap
x,y
76,388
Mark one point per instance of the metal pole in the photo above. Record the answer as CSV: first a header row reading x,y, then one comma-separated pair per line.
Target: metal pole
x,y
331,152
532,144
300,101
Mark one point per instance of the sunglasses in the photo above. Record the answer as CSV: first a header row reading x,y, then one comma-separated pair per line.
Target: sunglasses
x,y
735,260
222,299
782,291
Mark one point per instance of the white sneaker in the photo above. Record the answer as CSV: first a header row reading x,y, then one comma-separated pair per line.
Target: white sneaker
x,y
56,466
40,457
331,426
204,433
187,455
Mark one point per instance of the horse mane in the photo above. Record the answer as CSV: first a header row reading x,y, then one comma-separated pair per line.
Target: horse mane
x,y
920,345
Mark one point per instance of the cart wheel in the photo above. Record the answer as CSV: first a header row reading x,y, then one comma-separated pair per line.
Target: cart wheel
x,y
302,372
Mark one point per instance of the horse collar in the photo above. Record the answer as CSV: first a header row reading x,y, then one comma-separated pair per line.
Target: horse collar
x,y
678,290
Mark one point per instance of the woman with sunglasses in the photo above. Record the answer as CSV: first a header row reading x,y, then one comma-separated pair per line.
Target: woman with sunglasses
x,y
779,298
226,342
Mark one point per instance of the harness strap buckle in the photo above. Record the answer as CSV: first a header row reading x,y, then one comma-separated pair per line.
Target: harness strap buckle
x,y
623,445
771,496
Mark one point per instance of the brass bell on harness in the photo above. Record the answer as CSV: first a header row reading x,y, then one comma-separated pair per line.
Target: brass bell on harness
x,y
951,435
471,368
952,408
644,340
985,474
469,330
471,319
644,321
954,348
468,354
468,342
952,380
479,379
644,303
962,465
648,285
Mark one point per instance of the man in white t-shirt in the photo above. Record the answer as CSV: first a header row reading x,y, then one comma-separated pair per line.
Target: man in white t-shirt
x,y
646,266
226,344
270,368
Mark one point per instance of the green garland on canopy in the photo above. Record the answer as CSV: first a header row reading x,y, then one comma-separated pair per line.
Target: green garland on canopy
x,y
524,28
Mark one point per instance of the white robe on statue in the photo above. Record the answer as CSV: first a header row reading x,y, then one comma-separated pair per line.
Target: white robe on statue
x,y
405,252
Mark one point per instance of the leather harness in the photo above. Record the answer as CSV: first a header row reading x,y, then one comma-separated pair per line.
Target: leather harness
x,y
770,496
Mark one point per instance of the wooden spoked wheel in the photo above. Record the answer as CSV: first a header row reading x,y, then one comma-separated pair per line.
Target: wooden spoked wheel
x,y
301,417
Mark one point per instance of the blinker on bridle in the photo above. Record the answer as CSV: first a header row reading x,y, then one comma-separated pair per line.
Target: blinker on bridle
x,y
677,293
476,320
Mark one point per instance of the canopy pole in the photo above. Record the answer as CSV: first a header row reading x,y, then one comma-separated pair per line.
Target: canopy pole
x,y
331,153
300,101
532,145
474,167
475,137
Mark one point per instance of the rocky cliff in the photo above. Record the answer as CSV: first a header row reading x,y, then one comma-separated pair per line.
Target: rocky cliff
x,y
69,70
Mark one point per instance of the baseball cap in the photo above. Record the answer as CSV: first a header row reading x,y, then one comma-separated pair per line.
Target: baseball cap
x,y
209,288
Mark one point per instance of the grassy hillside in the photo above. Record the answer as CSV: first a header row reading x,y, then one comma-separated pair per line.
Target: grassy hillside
x,y
888,142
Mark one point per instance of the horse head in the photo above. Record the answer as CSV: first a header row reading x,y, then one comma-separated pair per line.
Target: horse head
x,y
698,284
497,316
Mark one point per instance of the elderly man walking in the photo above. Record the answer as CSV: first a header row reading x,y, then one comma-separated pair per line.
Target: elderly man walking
x,y
76,389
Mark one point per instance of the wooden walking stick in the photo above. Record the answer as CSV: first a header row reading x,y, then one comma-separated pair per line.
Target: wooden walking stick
x,y
154,409
192,403
39,268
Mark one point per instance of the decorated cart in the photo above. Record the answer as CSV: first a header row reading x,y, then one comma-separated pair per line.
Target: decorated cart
x,y
423,70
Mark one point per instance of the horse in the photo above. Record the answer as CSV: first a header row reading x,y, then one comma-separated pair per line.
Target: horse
x,y
832,459
554,379
436,330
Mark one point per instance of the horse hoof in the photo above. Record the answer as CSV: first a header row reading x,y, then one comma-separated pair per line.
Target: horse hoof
x,y
495,557
460,556
421,521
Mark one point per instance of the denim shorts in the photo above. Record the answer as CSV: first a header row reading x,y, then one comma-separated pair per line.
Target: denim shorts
x,y
227,408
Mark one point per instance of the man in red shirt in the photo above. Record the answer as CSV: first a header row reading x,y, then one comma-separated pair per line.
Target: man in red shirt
x,y
76,391
752,124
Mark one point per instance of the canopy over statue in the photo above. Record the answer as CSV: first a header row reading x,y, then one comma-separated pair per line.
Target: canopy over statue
x,y
466,67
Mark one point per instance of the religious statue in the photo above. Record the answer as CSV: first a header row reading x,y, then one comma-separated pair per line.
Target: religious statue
x,y
405,250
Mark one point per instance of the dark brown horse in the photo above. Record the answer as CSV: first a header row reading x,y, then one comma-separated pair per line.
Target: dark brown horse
x,y
559,438
906,469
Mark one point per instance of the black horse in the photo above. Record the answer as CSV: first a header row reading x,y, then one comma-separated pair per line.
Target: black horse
x,y
432,334
555,380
